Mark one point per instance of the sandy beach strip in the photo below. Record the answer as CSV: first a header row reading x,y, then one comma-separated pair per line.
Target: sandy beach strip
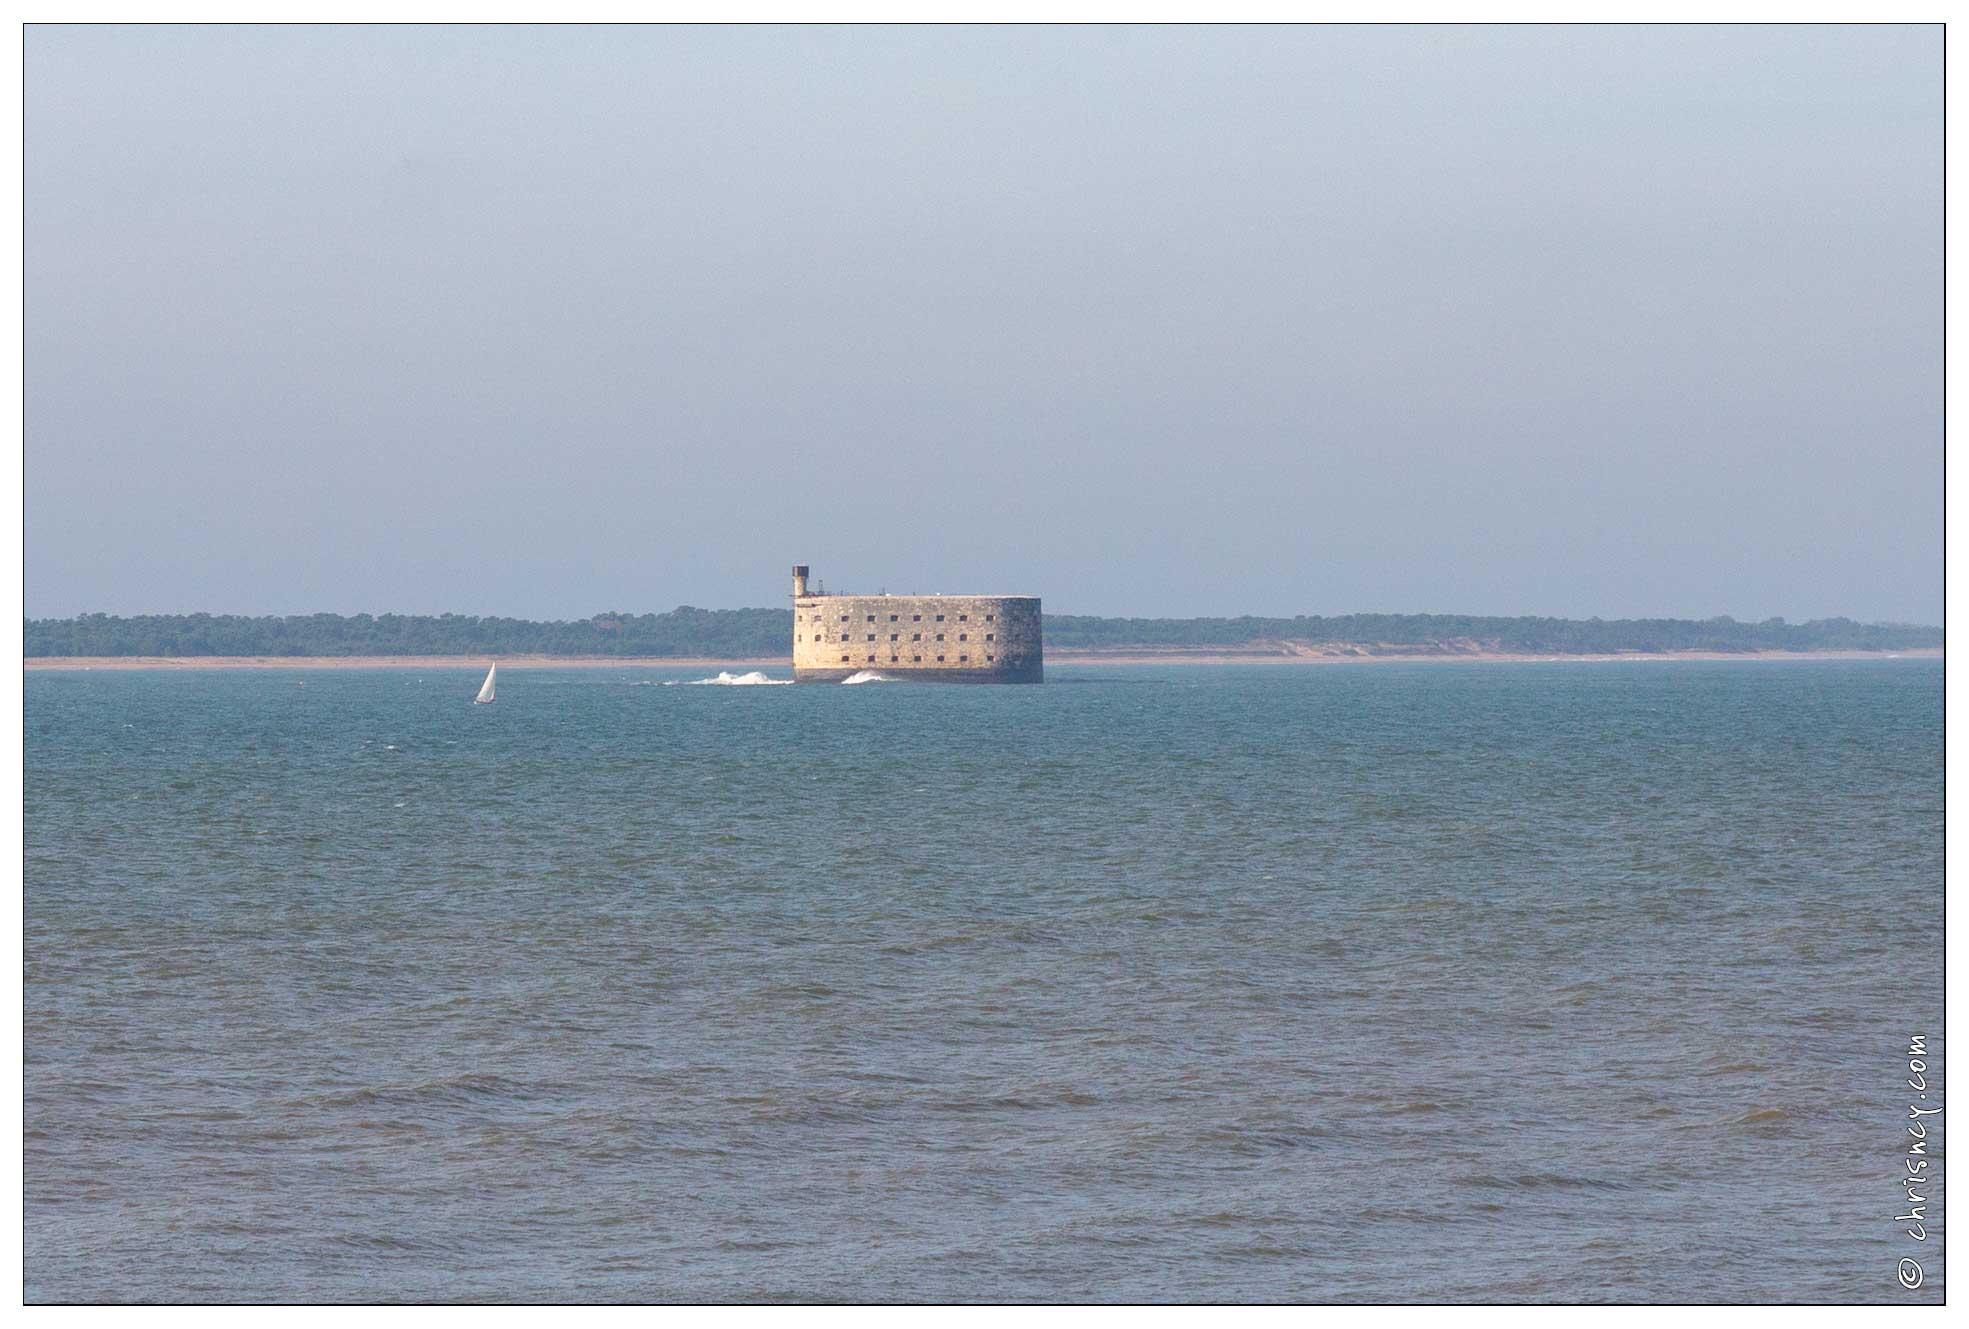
x,y
1126,656
397,662
1147,656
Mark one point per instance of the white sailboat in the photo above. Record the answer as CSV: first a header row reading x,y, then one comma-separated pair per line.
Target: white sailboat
x,y
485,693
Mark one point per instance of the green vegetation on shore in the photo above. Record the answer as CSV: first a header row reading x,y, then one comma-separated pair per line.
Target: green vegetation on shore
x,y
740,633
1458,633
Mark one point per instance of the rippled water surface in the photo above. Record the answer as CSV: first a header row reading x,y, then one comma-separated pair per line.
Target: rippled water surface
x,y
1436,981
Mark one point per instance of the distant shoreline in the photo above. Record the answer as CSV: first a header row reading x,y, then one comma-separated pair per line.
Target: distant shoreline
x,y
1356,656
36,662
1120,656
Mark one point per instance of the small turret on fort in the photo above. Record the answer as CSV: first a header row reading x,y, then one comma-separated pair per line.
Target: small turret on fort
x,y
921,638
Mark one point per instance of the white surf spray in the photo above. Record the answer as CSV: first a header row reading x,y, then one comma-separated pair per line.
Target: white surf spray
x,y
867,676
725,679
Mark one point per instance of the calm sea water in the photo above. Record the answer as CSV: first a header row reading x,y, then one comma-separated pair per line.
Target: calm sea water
x,y
1436,981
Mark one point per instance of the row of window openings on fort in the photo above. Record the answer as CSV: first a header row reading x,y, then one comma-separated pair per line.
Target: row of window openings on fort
x,y
914,618
917,659
897,636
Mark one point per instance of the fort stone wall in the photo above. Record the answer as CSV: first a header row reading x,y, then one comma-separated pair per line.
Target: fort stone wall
x,y
928,638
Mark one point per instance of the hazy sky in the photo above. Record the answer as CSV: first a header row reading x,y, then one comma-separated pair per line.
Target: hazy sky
x,y
1159,321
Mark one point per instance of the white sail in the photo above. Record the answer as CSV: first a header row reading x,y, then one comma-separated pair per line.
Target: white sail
x,y
485,693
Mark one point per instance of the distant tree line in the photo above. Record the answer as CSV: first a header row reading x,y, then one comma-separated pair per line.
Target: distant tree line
x,y
738,633
682,631
1556,636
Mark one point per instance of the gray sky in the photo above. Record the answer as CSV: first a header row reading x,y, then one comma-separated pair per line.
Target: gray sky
x,y
1158,321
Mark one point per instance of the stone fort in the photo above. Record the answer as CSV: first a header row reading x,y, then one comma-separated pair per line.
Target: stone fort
x,y
922,638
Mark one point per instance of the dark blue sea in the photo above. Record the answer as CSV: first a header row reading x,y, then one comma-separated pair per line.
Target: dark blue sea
x,y
1433,981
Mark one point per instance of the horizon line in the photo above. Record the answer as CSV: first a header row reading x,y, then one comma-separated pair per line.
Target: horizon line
x,y
1773,619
